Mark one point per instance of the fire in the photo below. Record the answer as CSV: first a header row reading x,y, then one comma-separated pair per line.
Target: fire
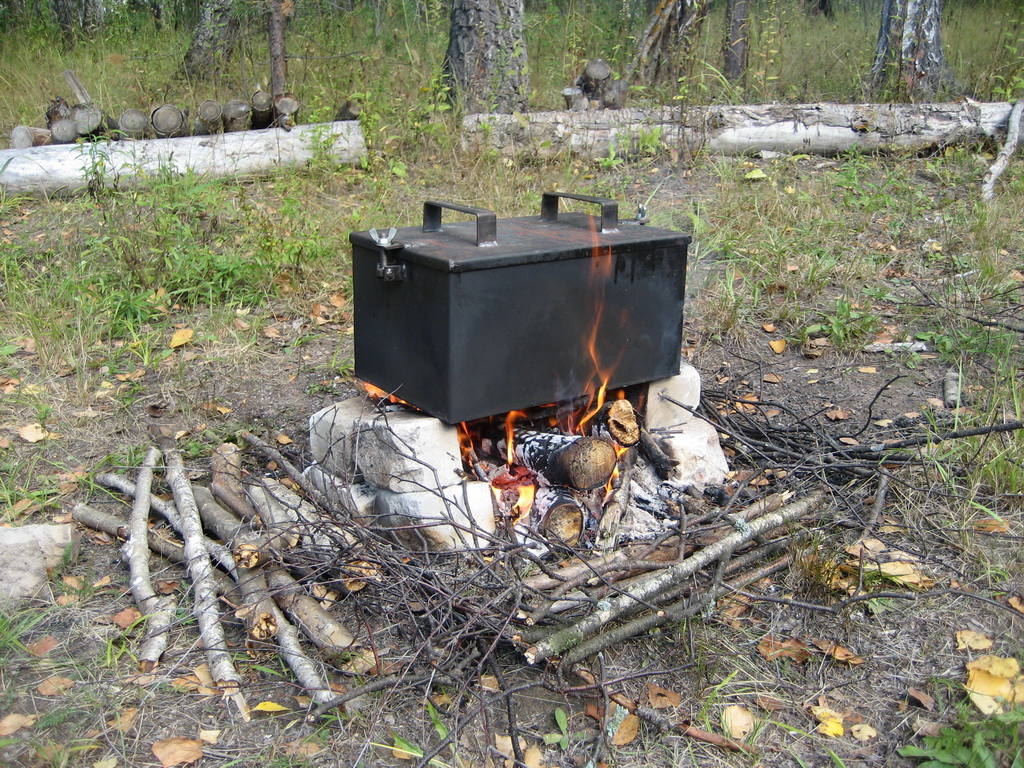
x,y
510,430
524,503
379,394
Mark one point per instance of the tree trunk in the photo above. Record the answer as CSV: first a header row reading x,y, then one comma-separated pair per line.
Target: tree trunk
x,y
668,40
825,129
278,65
65,169
909,56
69,19
485,65
737,33
213,38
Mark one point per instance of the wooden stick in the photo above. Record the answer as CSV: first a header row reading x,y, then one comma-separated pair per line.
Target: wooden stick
x,y
211,630
326,632
608,528
641,593
988,188
273,454
159,611
116,527
306,672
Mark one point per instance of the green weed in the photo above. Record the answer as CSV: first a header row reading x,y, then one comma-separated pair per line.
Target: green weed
x,y
988,743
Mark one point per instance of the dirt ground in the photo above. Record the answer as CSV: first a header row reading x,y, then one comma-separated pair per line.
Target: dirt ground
x,y
906,677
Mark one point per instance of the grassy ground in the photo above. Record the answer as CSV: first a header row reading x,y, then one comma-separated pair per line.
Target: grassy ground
x,y
828,254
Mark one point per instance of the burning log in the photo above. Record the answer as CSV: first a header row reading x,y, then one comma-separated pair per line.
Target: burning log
x,y
617,420
618,502
569,460
560,514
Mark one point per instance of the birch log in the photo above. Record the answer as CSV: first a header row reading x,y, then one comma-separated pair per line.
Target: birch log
x,y
825,128
65,169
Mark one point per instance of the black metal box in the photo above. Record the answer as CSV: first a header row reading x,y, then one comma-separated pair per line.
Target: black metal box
x,y
478,318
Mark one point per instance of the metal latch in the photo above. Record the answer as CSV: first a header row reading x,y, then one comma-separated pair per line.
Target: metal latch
x,y
391,271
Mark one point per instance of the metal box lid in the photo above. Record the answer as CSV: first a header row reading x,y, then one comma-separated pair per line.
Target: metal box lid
x,y
489,242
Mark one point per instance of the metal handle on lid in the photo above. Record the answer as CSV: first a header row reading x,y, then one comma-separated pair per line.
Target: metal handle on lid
x,y
486,221
609,208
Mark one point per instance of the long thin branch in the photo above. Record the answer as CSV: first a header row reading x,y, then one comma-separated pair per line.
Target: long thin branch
x,y
272,453
201,571
641,593
159,611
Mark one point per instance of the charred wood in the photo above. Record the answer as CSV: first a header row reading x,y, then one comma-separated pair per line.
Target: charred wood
x,y
570,460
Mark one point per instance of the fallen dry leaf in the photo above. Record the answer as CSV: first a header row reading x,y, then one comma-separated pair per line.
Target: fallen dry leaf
x,y
778,346
34,433
123,720
15,722
627,731
54,685
737,721
975,641
178,751
772,648
837,652
110,762
127,617
269,706
867,369
991,525
283,440
662,698
42,647
863,732
772,378
921,698
837,414
489,683
300,749
991,682
533,757
830,722
181,337
769,703
1016,602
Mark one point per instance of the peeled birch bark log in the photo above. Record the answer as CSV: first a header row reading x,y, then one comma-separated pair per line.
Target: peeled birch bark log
x,y
825,129
570,460
66,169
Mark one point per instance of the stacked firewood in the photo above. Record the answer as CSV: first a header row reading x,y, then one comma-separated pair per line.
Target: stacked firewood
x,y
264,550
67,123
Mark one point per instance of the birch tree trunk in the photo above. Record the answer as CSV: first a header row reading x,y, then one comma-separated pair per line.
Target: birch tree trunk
x,y
909,56
485,65
212,39
668,40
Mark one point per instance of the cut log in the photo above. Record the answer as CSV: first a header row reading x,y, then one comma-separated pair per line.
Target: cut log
x,y
89,119
326,632
169,122
58,109
63,130
25,136
262,104
618,421
349,110
64,170
236,115
825,128
286,110
133,124
560,514
570,460
574,98
209,116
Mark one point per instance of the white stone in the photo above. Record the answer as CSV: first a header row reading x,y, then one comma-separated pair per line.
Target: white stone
x,y
334,434
662,413
409,452
26,552
430,521
356,498
696,447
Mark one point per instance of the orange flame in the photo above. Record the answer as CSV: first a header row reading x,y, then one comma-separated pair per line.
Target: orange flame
x,y
510,429
376,392
524,503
